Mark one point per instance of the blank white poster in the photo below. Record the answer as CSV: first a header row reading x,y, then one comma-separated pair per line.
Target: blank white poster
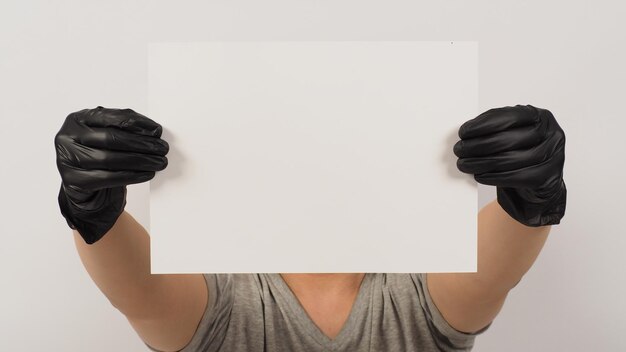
x,y
312,156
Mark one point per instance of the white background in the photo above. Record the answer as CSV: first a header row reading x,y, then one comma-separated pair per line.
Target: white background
x,y
567,56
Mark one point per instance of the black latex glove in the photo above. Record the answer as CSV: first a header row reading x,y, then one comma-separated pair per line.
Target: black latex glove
x,y
521,150
100,151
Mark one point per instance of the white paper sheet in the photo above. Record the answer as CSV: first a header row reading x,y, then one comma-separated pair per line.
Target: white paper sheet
x,y
313,157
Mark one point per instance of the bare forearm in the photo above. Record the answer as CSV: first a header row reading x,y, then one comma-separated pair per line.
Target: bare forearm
x,y
119,263
506,249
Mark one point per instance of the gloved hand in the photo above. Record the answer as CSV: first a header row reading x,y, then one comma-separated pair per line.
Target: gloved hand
x,y
98,152
521,151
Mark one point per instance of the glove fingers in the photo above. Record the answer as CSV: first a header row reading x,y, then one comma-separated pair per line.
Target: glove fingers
x,y
533,176
126,119
92,180
116,139
512,139
506,161
118,161
498,119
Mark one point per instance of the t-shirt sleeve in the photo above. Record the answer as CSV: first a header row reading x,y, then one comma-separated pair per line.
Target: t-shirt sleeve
x,y
212,327
442,330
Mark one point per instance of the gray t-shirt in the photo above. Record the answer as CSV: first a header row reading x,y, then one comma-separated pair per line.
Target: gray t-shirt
x,y
259,312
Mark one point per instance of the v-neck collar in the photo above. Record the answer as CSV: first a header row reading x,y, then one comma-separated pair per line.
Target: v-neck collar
x,y
311,328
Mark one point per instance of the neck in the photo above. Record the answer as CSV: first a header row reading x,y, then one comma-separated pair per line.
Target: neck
x,y
318,284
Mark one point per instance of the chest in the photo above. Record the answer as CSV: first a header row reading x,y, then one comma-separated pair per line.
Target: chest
x,y
329,314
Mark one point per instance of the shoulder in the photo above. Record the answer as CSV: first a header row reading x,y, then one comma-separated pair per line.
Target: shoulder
x,y
231,298
411,300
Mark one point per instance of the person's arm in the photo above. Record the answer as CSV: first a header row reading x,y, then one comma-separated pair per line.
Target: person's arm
x,y
506,251
520,150
99,152
163,309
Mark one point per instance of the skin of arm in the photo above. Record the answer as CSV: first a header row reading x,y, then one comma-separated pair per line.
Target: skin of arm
x,y
506,251
164,309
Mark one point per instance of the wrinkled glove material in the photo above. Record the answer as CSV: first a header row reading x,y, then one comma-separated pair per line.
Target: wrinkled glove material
x,y
99,152
520,150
